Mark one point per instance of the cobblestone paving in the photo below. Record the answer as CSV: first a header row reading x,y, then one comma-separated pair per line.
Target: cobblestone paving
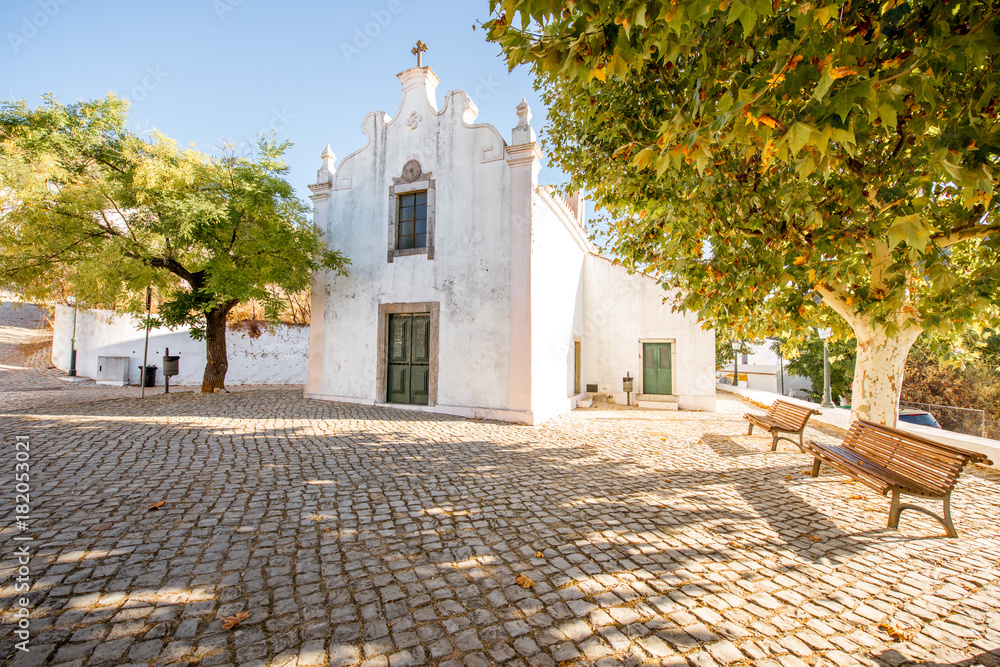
x,y
354,535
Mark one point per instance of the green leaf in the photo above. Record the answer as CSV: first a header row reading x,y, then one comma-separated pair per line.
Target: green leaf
x,y
798,136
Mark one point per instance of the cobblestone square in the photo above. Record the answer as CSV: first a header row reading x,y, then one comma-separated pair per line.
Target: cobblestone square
x,y
351,535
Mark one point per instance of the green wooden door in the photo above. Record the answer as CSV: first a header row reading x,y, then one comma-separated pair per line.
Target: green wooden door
x,y
409,359
656,368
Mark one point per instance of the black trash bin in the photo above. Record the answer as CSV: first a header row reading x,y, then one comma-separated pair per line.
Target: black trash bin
x,y
149,376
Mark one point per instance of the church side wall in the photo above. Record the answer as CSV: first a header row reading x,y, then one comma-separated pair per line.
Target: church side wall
x,y
468,276
621,311
556,310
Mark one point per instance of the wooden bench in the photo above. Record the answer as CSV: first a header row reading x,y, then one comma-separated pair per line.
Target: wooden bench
x,y
781,418
888,459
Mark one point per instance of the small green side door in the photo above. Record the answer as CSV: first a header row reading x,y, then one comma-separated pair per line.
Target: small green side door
x,y
656,368
409,358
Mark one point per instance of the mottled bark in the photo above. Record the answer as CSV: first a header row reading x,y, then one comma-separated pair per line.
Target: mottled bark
x,y
878,372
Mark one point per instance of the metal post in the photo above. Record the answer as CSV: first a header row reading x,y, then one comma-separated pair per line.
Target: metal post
x,y
736,365
166,378
145,349
72,343
781,369
827,397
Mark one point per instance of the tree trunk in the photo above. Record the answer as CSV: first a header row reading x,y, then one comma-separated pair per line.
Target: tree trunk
x,y
878,372
215,347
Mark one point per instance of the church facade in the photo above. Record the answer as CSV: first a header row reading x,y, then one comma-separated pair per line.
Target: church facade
x,y
475,291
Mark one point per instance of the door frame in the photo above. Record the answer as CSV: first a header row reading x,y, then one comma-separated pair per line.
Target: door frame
x,y
673,366
433,308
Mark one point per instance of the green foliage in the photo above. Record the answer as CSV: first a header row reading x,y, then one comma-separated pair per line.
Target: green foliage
x,y
808,362
970,380
89,204
724,350
757,153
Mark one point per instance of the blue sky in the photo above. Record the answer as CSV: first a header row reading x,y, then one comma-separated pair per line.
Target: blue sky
x,y
208,71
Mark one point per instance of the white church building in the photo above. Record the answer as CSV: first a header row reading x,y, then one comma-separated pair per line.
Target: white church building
x,y
475,291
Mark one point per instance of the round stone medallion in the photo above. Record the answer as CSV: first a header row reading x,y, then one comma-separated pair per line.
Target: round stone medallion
x,y
411,171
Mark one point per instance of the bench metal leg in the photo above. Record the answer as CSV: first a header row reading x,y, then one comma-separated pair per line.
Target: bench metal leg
x,y
897,508
777,436
815,470
750,430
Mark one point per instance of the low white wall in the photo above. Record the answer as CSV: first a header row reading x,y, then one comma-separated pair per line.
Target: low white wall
x,y
842,419
278,356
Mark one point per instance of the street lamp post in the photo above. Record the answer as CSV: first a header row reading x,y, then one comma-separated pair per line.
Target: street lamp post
x,y
827,403
736,363
72,342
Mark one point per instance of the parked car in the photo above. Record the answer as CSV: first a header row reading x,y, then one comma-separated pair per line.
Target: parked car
x,y
918,417
728,379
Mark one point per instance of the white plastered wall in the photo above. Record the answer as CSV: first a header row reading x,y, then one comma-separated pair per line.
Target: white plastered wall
x,y
622,311
558,252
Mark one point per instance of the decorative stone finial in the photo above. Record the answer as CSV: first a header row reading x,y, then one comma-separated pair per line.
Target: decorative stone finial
x,y
523,133
523,113
325,172
418,51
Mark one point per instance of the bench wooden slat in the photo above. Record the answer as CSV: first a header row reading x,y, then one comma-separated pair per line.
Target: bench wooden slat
x,y
782,417
889,460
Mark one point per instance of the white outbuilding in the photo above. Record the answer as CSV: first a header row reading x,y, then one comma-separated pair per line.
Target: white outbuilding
x,y
475,291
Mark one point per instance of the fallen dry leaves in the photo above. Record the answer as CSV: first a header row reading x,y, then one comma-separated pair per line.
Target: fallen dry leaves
x,y
814,538
539,554
897,633
524,581
788,477
230,622
858,497
157,505
567,663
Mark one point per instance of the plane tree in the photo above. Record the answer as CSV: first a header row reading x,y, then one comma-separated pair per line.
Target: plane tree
x,y
95,208
786,165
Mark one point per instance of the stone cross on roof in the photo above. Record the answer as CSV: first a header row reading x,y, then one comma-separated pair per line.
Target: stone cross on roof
x,y
418,51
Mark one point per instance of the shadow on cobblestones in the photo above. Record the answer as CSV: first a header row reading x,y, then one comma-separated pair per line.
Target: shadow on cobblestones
x,y
351,533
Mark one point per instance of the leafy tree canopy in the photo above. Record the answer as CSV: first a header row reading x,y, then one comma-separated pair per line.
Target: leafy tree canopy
x,y
757,154
89,203
808,362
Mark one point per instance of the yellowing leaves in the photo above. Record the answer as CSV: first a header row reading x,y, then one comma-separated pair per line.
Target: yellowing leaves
x,y
770,122
601,73
799,261
841,72
893,63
